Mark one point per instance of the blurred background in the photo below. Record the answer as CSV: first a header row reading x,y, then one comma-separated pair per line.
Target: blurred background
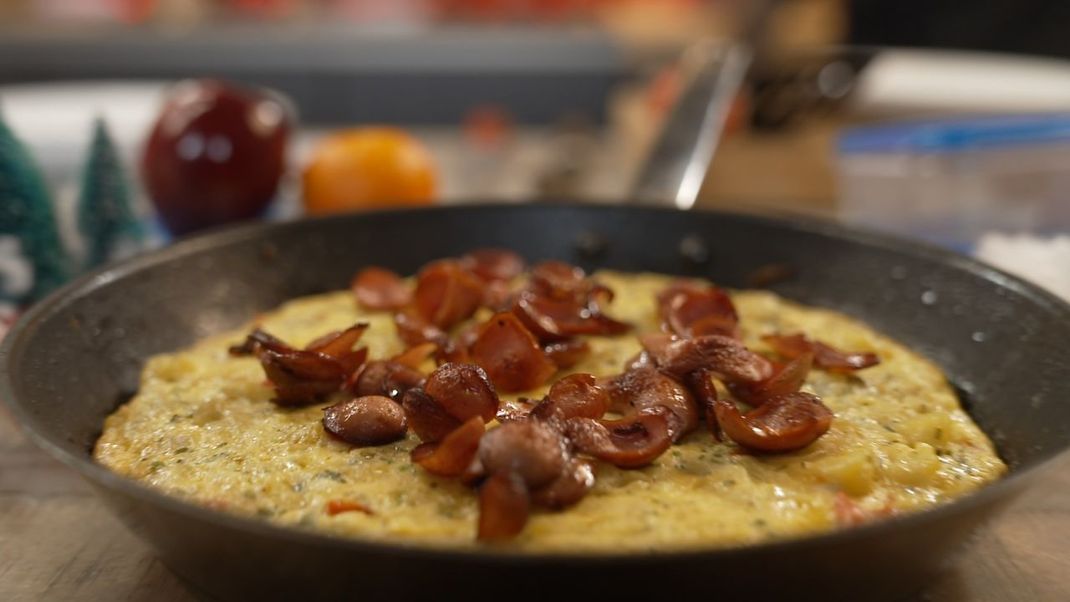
x,y
939,120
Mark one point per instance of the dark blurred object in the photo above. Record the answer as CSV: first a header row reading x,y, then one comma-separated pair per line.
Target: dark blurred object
x,y
215,154
897,82
1021,26
805,85
882,83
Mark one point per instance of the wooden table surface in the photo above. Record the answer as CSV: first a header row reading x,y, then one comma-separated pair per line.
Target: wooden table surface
x,y
58,542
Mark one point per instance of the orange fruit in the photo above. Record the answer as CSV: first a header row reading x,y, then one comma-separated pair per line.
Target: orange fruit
x,y
368,167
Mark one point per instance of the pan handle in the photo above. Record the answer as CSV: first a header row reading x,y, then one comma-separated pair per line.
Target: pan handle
x,y
677,164
714,73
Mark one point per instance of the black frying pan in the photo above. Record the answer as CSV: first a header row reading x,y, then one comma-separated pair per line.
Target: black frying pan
x,y
70,360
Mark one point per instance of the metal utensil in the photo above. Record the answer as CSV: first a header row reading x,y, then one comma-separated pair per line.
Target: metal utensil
x,y
713,74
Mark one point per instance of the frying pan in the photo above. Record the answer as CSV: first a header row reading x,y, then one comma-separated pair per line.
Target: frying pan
x,y
73,357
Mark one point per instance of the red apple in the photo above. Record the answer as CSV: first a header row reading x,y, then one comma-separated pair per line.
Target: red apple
x,y
215,155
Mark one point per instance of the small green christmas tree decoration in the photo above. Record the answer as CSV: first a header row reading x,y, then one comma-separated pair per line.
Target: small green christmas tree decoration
x,y
28,230
106,220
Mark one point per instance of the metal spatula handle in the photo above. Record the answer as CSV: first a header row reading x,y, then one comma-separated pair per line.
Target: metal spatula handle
x,y
678,162
677,165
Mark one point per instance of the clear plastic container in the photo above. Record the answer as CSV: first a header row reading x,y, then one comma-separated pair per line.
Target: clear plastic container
x,y
952,181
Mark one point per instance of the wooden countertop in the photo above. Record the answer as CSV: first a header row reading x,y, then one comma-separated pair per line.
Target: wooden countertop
x,y
58,542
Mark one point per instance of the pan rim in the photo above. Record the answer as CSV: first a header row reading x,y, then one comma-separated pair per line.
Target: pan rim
x,y
13,344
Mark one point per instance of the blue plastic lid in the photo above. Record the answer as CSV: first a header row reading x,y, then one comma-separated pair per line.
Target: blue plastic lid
x,y
957,134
